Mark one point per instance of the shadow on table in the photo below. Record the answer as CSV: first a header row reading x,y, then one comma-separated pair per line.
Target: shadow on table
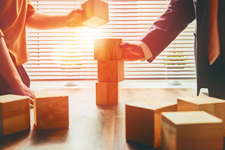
x,y
137,146
11,141
38,137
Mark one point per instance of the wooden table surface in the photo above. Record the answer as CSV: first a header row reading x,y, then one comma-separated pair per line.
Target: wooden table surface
x,y
91,127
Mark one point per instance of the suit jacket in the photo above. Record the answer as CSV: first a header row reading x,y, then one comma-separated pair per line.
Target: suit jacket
x,y
168,26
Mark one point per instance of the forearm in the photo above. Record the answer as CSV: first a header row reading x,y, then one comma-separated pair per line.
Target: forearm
x,y
7,69
44,22
169,25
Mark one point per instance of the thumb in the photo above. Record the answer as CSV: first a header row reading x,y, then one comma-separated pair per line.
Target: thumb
x,y
78,11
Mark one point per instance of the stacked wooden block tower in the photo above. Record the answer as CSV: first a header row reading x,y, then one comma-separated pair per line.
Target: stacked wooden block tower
x,y
110,70
196,122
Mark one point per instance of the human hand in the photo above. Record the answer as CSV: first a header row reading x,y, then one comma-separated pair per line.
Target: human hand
x,y
74,19
22,89
132,51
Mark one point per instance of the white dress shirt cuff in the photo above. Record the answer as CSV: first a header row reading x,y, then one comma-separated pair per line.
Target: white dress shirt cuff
x,y
1,34
147,52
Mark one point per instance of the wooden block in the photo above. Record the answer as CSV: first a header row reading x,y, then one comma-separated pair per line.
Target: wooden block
x,y
107,93
192,130
110,71
107,49
50,110
14,114
96,13
143,121
211,105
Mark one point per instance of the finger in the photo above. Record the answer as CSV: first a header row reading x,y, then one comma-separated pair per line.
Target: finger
x,y
31,101
78,11
76,23
127,56
125,45
132,48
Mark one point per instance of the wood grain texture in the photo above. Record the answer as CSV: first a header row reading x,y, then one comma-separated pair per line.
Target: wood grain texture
x,y
107,49
111,71
211,105
143,121
50,110
91,126
107,93
191,130
14,114
96,13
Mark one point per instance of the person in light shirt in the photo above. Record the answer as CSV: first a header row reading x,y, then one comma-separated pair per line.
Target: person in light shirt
x,y
169,25
15,16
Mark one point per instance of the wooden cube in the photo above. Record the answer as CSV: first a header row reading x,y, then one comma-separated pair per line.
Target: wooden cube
x,y
192,130
50,110
96,13
143,121
107,93
14,114
110,71
211,105
107,49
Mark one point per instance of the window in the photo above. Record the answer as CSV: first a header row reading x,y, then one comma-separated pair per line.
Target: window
x,y
67,53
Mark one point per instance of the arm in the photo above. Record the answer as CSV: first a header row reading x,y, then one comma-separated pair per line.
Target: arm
x,y
10,74
166,28
43,21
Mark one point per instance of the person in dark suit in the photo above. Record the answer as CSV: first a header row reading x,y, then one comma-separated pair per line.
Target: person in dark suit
x,y
169,25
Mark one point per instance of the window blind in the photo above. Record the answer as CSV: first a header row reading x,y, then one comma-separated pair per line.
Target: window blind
x,y
68,53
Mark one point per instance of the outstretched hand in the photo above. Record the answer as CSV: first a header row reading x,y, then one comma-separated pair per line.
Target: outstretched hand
x,y
74,18
131,51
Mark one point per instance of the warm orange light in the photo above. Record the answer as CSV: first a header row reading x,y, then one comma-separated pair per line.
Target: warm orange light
x,y
88,34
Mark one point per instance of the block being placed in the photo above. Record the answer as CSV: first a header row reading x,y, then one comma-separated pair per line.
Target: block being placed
x,y
191,130
143,121
211,105
14,114
107,49
111,71
96,13
50,110
107,93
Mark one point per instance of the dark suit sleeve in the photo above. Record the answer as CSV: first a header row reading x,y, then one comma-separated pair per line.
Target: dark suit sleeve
x,y
168,26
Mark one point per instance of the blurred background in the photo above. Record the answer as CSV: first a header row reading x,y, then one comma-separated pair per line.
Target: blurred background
x,y
66,54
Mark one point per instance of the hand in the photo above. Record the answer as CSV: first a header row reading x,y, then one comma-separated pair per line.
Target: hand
x,y
22,89
131,51
74,18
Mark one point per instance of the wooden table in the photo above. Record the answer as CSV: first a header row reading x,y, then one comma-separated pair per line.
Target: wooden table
x,y
91,127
